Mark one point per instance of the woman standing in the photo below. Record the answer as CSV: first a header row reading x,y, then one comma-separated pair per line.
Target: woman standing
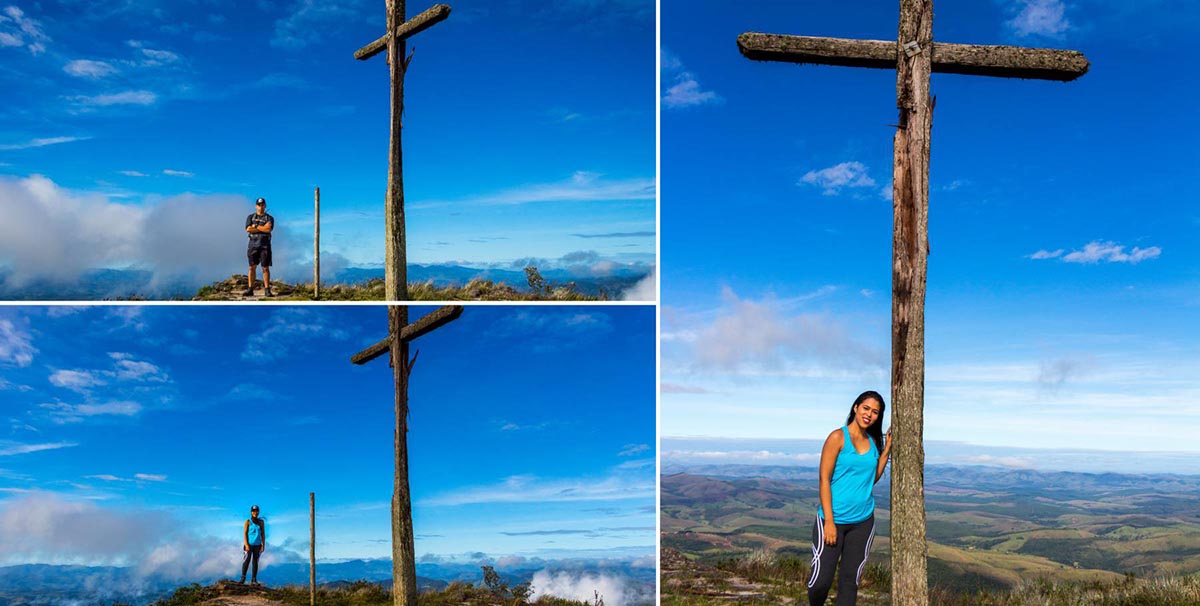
x,y
852,461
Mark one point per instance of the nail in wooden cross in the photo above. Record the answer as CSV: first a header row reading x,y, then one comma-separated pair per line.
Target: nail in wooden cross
x,y
398,30
400,333
914,56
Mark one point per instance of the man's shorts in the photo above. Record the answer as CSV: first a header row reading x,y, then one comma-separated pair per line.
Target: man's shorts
x,y
259,255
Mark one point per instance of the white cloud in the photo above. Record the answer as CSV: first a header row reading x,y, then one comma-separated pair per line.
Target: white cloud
x,y
743,457
307,19
290,330
999,461
16,346
196,239
132,97
580,586
177,173
41,143
49,528
1101,252
63,413
831,180
619,485
16,29
1040,17
756,335
150,477
686,91
86,68
132,173
632,449
8,449
582,186
645,289
75,380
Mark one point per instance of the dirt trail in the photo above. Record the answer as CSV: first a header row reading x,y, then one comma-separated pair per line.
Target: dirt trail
x,y
230,593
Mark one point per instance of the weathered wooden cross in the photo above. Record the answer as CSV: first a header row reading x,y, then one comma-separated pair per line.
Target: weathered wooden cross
x,y
400,333
914,56
398,30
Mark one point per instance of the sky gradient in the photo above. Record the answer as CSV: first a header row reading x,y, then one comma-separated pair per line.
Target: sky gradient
x,y
531,433
146,129
1062,307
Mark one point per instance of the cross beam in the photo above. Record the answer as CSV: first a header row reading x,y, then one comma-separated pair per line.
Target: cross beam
x,y
427,324
425,20
969,59
400,333
915,56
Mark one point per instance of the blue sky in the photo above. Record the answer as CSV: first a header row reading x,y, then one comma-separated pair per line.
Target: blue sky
x,y
531,433
529,132
1063,281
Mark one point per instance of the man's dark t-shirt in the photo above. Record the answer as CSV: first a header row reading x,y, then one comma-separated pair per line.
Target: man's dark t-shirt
x,y
257,239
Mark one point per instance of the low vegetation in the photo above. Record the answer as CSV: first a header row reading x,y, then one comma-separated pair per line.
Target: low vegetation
x,y
539,289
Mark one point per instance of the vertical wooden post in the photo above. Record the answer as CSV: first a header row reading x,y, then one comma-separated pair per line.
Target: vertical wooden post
x,y
312,549
317,243
404,565
395,259
910,249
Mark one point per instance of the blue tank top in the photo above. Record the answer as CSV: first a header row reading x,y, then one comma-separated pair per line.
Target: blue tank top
x,y
255,533
852,482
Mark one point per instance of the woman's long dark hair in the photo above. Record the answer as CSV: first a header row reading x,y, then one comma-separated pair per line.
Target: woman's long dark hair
x,y
876,428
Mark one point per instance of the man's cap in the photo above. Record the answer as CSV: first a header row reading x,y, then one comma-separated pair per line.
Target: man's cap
x,y
261,201
254,508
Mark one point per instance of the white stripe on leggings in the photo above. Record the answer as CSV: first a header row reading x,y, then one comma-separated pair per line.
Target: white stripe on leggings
x,y
866,552
818,548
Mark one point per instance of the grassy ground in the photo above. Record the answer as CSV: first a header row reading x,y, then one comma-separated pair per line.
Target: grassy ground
x,y
363,593
373,290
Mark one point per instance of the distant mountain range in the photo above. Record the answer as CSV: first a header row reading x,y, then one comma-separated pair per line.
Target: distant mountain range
x,y
105,284
987,527
54,585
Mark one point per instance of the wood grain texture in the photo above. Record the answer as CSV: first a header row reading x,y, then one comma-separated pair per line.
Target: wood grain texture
x,y
970,59
910,249
423,21
426,324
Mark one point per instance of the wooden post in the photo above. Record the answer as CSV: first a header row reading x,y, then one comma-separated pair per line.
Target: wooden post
x,y
317,243
395,258
404,564
312,549
400,332
910,249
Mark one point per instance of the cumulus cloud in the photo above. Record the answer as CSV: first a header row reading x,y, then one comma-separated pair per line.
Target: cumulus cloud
x,y
1100,252
645,289
579,586
52,234
75,380
759,335
16,346
63,413
548,329
686,90
1040,18
833,179
46,527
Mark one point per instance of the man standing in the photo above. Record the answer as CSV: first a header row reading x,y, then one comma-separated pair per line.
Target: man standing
x,y
258,226
254,542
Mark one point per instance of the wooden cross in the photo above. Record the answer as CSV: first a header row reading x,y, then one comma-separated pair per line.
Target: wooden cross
x,y
914,56
400,333
398,30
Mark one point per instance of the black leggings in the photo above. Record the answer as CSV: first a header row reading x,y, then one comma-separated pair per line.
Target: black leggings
x,y
251,555
853,545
